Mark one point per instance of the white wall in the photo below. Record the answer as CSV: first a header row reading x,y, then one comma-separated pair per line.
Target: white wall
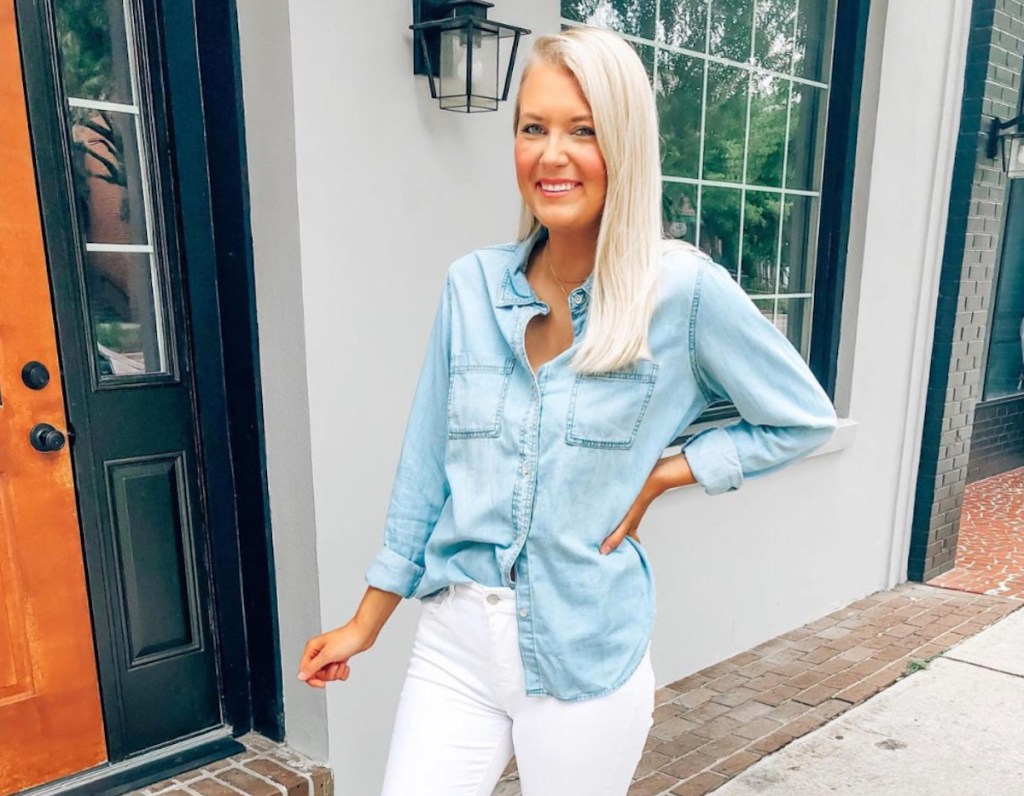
x,y
271,144
385,190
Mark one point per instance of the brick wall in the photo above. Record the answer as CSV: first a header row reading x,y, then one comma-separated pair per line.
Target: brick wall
x,y
997,441
992,87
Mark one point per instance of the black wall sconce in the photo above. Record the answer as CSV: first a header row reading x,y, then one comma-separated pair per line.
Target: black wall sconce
x,y
459,50
1012,145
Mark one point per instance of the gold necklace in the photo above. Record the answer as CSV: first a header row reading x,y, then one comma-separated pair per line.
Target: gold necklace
x,y
547,262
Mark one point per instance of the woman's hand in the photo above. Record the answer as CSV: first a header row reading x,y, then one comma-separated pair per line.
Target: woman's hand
x,y
326,656
668,473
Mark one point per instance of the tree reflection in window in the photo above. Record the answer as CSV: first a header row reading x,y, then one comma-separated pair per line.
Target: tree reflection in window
x,y
741,88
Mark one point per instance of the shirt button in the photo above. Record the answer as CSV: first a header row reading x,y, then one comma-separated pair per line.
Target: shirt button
x,y
523,612
493,599
526,469
577,299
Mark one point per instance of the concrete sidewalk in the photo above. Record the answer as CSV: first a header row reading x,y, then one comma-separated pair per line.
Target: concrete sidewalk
x,y
955,727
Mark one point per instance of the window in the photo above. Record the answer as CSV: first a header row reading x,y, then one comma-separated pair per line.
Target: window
x,y
114,189
742,89
1004,370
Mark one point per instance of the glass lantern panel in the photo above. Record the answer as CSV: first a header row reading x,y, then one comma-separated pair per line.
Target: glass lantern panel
x,y
469,70
1015,167
454,66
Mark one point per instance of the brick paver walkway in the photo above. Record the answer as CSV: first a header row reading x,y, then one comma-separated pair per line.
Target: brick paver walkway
x,y
265,768
714,724
990,545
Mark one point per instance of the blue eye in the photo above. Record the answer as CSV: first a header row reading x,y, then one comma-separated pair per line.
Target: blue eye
x,y
531,129
584,131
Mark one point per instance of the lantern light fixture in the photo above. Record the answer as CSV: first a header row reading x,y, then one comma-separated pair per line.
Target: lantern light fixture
x,y
1012,145
459,50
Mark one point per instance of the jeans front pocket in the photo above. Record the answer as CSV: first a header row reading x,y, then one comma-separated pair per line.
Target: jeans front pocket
x,y
476,394
606,409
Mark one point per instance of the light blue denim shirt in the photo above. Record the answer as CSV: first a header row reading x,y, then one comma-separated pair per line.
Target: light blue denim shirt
x,y
502,467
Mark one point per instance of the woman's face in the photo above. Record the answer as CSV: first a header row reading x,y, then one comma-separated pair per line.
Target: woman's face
x,y
559,166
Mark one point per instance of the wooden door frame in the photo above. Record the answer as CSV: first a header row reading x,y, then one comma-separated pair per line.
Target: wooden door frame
x,y
220,295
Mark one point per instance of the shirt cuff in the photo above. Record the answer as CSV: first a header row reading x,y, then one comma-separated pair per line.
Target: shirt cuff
x,y
714,461
391,572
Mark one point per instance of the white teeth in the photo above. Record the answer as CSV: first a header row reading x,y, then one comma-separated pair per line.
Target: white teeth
x,y
562,186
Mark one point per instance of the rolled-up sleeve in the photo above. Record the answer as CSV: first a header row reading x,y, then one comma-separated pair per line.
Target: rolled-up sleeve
x,y
420,488
740,356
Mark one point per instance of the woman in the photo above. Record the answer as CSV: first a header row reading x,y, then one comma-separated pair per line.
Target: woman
x,y
558,371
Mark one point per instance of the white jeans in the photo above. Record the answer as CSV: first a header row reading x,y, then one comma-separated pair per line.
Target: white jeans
x,y
463,711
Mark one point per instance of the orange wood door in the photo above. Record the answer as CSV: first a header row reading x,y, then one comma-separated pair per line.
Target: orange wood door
x,y
50,720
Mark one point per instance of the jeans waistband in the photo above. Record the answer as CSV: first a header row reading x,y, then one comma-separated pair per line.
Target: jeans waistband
x,y
493,598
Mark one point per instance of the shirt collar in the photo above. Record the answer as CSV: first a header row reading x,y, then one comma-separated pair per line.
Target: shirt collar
x,y
515,290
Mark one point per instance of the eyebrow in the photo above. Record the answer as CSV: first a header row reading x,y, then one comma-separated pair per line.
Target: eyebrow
x,y
583,118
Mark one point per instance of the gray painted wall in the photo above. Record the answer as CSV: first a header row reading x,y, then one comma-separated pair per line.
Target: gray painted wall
x,y
363,192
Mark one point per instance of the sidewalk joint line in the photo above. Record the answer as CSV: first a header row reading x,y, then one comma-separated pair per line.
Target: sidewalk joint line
x,y
983,666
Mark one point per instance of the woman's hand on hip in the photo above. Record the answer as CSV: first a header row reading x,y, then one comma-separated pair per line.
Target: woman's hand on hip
x,y
668,473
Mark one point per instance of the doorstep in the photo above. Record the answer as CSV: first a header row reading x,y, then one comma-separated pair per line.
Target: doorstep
x,y
718,722
265,768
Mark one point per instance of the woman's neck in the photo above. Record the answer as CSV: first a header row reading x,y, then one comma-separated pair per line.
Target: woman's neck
x,y
571,255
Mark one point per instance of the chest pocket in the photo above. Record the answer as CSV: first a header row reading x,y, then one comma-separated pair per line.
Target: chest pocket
x,y
606,409
476,394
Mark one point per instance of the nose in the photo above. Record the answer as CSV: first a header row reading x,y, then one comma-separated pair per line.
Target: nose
x,y
554,153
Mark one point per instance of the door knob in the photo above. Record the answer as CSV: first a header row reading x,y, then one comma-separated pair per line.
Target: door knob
x,y
46,438
35,375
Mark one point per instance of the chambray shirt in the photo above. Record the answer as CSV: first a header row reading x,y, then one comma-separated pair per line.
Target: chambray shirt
x,y
501,467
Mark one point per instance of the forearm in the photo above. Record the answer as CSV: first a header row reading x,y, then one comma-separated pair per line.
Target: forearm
x,y
374,611
670,472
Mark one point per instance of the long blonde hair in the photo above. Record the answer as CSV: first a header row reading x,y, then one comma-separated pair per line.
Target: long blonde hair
x,y
629,242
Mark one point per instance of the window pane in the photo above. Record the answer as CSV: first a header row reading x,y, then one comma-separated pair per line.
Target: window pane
x,y
799,230
725,125
124,307
94,50
773,34
793,317
635,17
1004,373
108,177
760,242
720,225
684,24
806,137
680,91
647,56
730,29
767,308
111,171
768,100
679,211
812,50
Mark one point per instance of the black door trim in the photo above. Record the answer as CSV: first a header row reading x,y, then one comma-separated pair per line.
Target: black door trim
x,y
145,769
220,70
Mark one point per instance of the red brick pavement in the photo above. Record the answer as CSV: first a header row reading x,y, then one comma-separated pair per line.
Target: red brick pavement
x,y
717,722
265,768
712,725
990,545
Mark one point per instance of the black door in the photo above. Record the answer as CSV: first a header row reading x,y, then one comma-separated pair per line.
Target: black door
x,y
118,133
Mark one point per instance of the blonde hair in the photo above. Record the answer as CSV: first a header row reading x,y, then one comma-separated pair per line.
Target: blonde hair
x,y
629,242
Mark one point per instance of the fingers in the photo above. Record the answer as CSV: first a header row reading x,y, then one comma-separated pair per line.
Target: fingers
x,y
332,671
312,666
615,539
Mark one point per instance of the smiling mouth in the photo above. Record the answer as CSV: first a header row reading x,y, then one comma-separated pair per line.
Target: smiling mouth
x,y
557,187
